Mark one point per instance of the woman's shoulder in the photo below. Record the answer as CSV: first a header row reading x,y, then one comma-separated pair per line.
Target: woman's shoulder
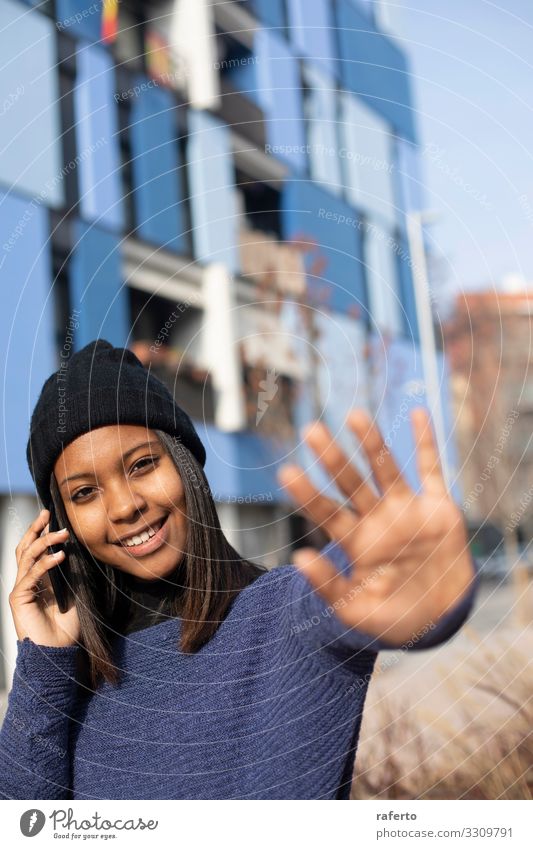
x,y
268,589
256,614
276,589
275,580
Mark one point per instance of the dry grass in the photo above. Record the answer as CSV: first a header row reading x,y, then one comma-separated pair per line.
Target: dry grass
x,y
468,736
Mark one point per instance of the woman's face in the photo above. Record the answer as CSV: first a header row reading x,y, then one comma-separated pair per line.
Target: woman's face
x,y
119,487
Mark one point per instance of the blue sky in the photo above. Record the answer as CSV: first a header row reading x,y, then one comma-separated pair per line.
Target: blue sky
x,y
472,63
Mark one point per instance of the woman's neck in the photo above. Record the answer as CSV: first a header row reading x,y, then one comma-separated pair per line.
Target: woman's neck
x,y
150,600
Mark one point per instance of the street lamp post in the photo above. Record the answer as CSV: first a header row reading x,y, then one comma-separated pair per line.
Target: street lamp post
x,y
428,347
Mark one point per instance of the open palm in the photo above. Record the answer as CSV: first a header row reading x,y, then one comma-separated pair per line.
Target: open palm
x,y
410,555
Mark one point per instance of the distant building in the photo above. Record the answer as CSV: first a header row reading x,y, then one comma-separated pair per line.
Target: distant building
x,y
489,343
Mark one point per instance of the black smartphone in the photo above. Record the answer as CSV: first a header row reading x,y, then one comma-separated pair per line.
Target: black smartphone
x,y
60,574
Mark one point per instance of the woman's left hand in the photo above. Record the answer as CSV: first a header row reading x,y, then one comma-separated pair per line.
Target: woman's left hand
x,y
409,552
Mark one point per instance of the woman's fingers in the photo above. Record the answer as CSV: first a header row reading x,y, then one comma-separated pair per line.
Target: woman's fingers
x,y
31,578
385,471
37,548
335,461
337,521
33,533
322,575
427,455
43,589
348,597
34,561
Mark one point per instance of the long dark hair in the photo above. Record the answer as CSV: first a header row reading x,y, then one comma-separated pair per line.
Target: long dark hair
x,y
207,580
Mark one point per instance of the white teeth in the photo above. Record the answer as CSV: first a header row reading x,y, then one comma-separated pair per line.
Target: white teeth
x,y
137,540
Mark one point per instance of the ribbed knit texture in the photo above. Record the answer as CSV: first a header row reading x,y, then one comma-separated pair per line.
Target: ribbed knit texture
x,y
270,708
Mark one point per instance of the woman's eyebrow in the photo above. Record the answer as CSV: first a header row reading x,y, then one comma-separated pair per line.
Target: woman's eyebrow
x,y
124,457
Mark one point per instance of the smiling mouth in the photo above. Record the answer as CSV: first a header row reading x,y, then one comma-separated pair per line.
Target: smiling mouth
x,y
139,540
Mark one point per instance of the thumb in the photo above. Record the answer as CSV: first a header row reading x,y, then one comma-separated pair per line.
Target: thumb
x,y
321,574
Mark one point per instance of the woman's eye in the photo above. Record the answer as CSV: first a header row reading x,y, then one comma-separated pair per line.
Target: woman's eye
x,y
144,463
84,489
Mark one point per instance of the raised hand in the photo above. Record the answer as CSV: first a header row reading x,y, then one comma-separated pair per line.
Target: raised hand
x,y
409,552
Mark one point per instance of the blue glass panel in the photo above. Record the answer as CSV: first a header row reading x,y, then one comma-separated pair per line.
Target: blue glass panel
x,y
269,12
96,287
156,169
243,77
366,6
279,94
331,232
241,465
322,132
98,154
31,159
312,34
80,18
373,67
396,387
212,190
272,81
26,329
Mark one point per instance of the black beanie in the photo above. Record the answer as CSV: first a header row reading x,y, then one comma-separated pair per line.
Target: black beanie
x,y
100,385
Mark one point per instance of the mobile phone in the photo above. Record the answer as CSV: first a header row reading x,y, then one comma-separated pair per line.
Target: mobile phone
x,y
60,574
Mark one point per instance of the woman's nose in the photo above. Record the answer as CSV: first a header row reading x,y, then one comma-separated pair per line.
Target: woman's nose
x,y
124,503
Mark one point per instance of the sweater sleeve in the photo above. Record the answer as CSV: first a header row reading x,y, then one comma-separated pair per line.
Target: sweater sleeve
x,y
315,622
34,748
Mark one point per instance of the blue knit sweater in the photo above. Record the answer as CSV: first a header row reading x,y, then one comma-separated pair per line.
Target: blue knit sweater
x,y
269,708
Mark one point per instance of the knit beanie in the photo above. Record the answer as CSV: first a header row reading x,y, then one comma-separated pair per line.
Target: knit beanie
x,y
100,385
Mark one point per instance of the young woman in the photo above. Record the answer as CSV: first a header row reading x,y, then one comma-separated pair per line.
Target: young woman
x,y
180,670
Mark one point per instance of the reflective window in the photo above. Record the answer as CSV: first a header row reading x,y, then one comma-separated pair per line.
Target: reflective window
x,y
366,155
320,99
382,280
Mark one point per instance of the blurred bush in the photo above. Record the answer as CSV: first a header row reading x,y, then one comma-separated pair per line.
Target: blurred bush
x,y
467,735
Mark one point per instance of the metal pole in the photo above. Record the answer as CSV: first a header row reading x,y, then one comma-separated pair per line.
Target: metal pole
x,y
428,347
